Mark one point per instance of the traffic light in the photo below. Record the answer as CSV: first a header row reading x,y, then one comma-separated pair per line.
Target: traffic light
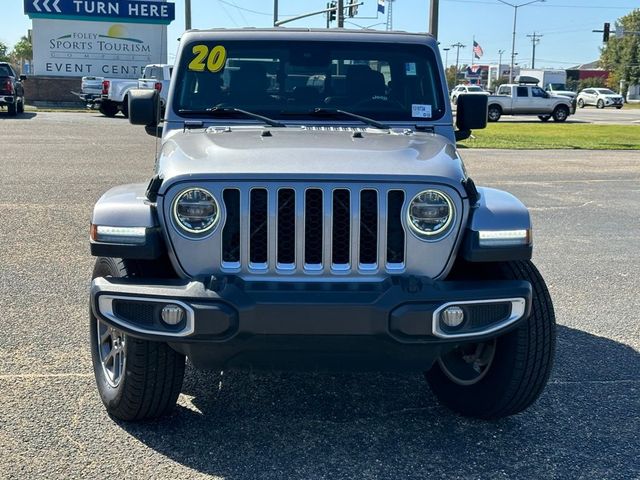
x,y
605,32
353,9
332,13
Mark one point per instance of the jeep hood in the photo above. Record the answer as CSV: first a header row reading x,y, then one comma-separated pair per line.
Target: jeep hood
x,y
309,154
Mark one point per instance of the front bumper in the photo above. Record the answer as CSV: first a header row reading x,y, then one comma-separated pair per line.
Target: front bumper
x,y
393,324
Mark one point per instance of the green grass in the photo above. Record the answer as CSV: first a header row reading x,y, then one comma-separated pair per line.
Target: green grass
x,y
540,136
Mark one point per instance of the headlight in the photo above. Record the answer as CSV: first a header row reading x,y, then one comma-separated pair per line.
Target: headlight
x,y
430,213
195,210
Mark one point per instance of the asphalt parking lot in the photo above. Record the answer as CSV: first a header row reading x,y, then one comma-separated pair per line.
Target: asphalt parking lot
x,y
240,425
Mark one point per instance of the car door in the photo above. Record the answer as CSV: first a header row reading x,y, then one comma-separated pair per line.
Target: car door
x,y
522,100
589,97
541,101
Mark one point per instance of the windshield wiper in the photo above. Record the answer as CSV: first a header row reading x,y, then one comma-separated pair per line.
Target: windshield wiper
x,y
334,111
217,111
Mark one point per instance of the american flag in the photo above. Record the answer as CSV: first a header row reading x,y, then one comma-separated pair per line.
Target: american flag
x,y
381,6
477,50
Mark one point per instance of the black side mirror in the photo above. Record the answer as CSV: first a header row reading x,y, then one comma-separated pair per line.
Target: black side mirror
x,y
144,109
23,78
471,114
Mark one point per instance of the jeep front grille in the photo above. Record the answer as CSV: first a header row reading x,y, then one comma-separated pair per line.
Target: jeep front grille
x,y
313,230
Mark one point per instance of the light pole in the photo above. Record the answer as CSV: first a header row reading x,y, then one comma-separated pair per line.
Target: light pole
x,y
515,7
458,46
187,14
500,52
446,57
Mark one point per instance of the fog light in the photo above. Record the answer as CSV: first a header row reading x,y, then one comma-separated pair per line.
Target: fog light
x,y
452,316
172,314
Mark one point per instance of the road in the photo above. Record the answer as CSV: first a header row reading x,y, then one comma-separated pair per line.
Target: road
x,y
605,116
242,425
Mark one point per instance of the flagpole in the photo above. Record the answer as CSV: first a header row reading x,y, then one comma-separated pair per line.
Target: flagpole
x,y
473,41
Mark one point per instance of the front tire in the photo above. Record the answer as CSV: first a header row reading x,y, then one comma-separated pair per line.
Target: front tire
x,y
137,379
510,371
560,114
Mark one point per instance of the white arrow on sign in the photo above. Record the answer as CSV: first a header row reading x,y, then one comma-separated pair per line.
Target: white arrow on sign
x,y
36,6
45,5
55,5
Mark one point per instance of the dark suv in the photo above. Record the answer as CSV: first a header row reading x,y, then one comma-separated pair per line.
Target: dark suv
x,y
11,90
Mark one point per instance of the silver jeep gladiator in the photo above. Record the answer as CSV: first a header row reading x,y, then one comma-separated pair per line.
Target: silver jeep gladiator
x,y
309,209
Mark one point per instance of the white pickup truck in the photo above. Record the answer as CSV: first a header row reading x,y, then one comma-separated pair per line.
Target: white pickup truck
x,y
115,96
527,99
157,77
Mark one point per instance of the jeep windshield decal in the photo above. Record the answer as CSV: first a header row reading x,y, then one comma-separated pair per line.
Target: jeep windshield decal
x,y
293,81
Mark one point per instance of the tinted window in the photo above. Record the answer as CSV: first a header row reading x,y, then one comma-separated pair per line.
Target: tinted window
x,y
537,92
504,90
474,89
523,92
606,91
5,71
291,79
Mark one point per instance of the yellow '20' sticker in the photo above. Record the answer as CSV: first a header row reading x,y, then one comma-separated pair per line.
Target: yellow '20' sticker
x,y
212,60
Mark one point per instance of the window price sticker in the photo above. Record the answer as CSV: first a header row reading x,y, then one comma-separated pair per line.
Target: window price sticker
x,y
420,111
410,69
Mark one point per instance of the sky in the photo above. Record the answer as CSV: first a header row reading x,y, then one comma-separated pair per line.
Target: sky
x,y
565,25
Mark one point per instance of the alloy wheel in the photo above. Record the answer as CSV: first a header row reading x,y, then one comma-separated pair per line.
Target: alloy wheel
x,y
468,364
111,350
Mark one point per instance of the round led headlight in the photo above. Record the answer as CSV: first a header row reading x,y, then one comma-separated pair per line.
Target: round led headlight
x,y
430,213
195,210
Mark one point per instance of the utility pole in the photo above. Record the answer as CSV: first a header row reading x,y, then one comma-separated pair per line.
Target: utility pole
x,y
340,13
457,46
275,13
535,39
499,75
187,14
433,18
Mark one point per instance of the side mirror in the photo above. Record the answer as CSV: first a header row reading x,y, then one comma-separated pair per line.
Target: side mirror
x,y
23,78
144,108
471,114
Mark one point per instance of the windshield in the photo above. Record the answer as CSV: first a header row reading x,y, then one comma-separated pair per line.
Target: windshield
x,y
475,89
558,86
287,80
605,91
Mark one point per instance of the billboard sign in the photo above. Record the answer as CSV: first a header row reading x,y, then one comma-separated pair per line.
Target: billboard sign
x,y
123,11
106,49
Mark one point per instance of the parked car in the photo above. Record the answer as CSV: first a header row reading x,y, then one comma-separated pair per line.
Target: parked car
x,y
157,77
560,89
527,99
290,225
467,90
90,91
599,97
11,89
115,96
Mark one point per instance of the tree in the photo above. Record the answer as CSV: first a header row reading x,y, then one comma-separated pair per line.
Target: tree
x,y
22,51
3,52
621,55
